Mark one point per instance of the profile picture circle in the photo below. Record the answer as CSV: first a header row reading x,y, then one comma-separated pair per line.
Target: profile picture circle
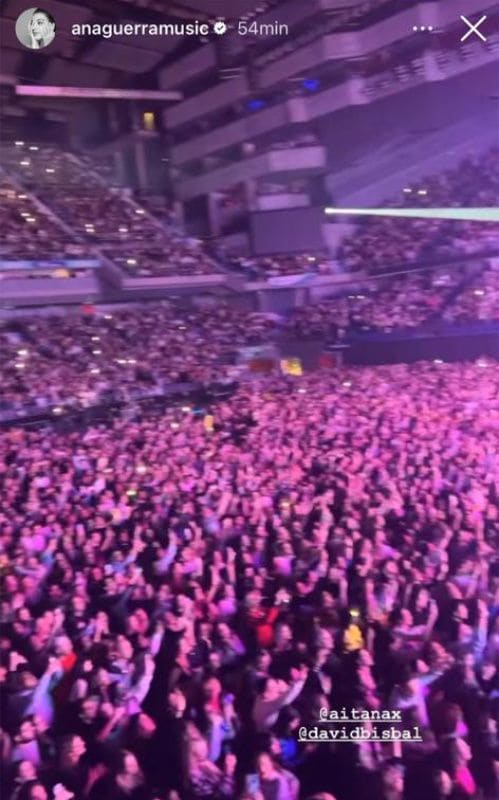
x,y
35,28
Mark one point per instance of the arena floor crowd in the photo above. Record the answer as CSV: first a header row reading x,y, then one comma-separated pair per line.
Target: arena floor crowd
x,y
183,594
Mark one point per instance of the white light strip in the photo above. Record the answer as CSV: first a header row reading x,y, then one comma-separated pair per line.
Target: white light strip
x,y
96,94
472,214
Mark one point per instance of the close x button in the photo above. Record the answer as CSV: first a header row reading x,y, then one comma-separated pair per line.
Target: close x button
x,y
473,28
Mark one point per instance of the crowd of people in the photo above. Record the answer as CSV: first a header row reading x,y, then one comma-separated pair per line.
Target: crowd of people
x,y
82,358
99,215
206,600
479,301
406,302
261,268
175,255
381,242
82,199
105,216
26,232
185,596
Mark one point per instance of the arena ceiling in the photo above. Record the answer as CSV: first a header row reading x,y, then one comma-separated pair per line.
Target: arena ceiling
x,y
102,62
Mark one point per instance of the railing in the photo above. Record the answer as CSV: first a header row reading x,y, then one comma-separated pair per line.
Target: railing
x,y
437,328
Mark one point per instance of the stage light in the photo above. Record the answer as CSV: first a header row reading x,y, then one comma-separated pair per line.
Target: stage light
x,y
23,353
437,361
96,352
22,196
131,262
24,163
57,410
479,292
49,170
141,469
33,147
347,384
139,211
255,105
95,371
311,84
478,214
96,338
19,144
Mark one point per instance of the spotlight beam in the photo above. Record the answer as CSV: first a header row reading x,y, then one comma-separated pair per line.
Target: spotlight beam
x,y
469,214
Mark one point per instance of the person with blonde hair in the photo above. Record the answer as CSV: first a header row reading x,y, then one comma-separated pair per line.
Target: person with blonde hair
x,y
205,779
